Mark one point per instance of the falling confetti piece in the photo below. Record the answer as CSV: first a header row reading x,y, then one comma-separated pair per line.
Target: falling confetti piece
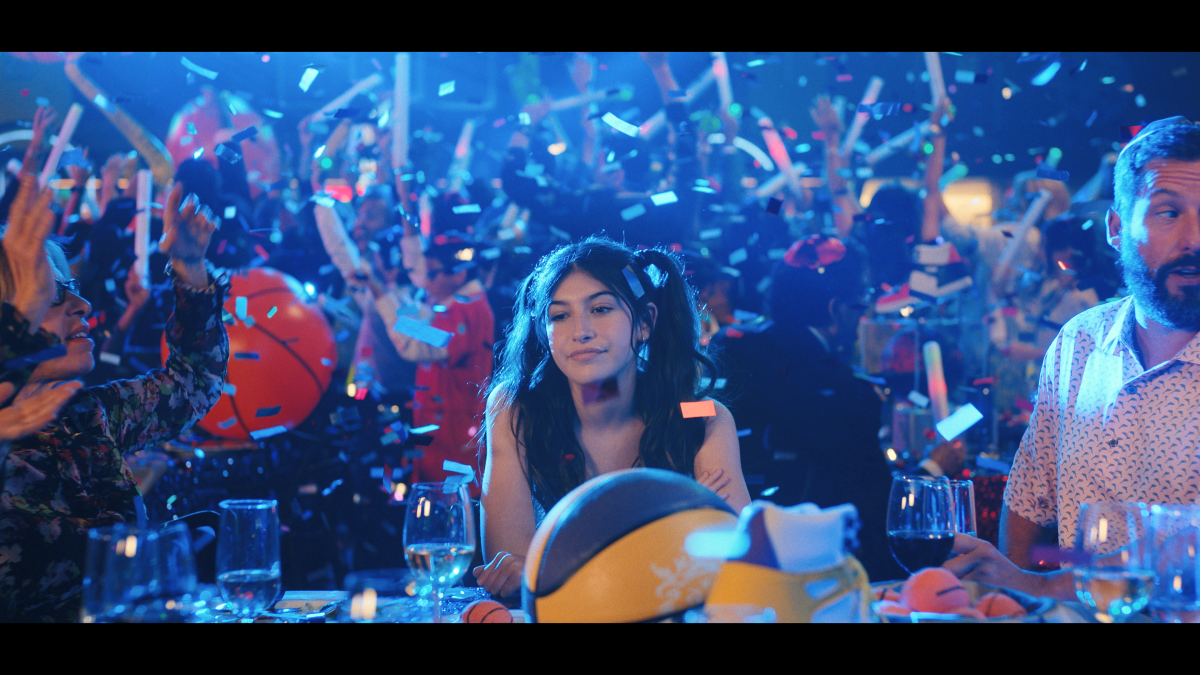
x,y
446,88
466,208
268,412
230,389
773,205
244,134
246,356
227,423
202,72
698,409
272,113
663,198
633,212
306,80
422,332
620,125
264,433
634,284
271,312
240,306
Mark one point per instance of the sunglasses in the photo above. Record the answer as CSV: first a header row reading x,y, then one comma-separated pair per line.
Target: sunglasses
x,y
61,288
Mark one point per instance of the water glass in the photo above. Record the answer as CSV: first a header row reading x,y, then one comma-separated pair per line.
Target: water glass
x,y
248,563
439,536
1118,578
98,599
963,493
1175,531
920,521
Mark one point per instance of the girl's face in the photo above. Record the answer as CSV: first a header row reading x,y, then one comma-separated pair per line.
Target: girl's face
x,y
590,331
67,322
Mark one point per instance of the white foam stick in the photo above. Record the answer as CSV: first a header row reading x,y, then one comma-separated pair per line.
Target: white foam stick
x,y
337,242
64,137
893,144
659,119
462,156
584,99
860,119
936,380
779,153
937,85
778,181
341,101
720,68
755,152
1032,216
400,97
141,241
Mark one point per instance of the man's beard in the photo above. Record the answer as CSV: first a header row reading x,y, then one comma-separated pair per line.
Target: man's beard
x,y
1181,311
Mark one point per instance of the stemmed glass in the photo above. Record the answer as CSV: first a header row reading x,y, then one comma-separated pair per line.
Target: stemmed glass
x,y
1118,578
1175,531
439,536
920,521
248,564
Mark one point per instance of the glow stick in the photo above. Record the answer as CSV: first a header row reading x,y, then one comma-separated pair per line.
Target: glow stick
x,y
720,70
774,184
462,156
893,144
937,85
755,152
659,119
1032,215
860,119
584,99
400,97
141,240
64,137
341,101
779,153
936,380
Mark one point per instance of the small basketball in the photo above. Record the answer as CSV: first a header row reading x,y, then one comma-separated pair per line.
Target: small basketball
x,y
996,604
934,589
486,611
281,356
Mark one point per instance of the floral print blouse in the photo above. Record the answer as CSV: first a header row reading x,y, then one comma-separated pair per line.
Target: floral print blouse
x,y
72,476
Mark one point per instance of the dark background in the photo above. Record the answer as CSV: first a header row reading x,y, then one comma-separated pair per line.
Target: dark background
x,y
153,86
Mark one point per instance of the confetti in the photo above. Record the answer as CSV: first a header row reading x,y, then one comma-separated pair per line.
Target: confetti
x,y
918,399
422,332
773,205
326,362
271,312
230,389
738,256
73,157
634,284
202,72
273,114
240,306
198,154
268,412
244,134
1043,78
102,103
662,198
346,113
712,233
657,276
489,253
230,211
466,208
620,125
229,155
306,80
427,429
958,422
446,88
264,433
227,423
633,212
880,109
698,409
1044,171
114,359
246,356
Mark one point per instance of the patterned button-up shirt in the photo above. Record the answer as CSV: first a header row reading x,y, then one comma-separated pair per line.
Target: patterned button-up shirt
x,y
1104,427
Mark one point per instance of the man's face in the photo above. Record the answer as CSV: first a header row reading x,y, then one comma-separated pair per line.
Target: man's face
x,y
372,218
1160,243
441,282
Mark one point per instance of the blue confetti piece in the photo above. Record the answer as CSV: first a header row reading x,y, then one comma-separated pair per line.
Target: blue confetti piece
x,y
198,154
268,412
345,113
249,322
326,362
662,198
230,389
246,356
227,423
224,152
446,88
341,335
273,114
199,453
738,256
633,212
244,134
422,332
634,284
202,72
427,429
240,305
770,491
271,312
1043,78
489,253
102,103
619,124
742,433
265,433
191,128
881,109
958,422
466,208
306,80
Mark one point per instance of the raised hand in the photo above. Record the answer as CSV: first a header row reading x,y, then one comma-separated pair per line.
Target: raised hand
x,y
29,223
31,413
187,231
826,116
654,59
581,72
41,119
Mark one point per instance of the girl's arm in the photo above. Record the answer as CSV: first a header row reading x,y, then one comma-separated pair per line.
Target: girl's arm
x,y
507,505
722,453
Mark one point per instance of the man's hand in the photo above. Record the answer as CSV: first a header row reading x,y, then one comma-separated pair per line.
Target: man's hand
x,y
977,560
826,117
654,59
715,481
31,413
950,456
187,232
29,223
581,72
502,576
41,119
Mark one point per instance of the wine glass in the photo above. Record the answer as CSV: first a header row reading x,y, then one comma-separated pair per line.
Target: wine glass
x,y
439,536
1118,578
1175,531
963,492
248,564
920,521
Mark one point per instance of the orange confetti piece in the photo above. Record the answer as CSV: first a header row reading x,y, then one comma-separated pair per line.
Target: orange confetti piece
x,y
698,409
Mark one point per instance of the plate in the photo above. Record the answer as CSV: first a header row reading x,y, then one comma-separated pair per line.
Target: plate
x,y
1038,609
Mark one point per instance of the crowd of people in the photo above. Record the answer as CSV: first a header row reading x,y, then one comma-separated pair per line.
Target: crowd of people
x,y
582,294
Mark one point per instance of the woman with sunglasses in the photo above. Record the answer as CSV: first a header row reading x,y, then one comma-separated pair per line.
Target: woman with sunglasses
x,y
61,481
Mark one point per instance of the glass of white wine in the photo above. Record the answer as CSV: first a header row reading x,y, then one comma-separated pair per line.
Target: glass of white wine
x,y
1118,580
248,563
1175,530
439,536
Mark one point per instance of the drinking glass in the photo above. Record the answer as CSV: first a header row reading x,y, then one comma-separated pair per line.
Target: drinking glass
x,y
1175,531
248,564
920,521
97,598
963,492
439,536
1118,578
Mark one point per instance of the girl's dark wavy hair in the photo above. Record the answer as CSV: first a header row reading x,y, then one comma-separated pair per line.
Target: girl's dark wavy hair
x,y
672,365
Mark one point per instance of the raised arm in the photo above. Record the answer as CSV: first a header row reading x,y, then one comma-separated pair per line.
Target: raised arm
x,y
507,505
934,207
840,188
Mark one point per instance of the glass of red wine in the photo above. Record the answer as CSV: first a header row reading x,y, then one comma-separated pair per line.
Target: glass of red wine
x,y
920,521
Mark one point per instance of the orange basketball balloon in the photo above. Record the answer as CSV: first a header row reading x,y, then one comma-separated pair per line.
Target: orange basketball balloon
x,y
281,356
